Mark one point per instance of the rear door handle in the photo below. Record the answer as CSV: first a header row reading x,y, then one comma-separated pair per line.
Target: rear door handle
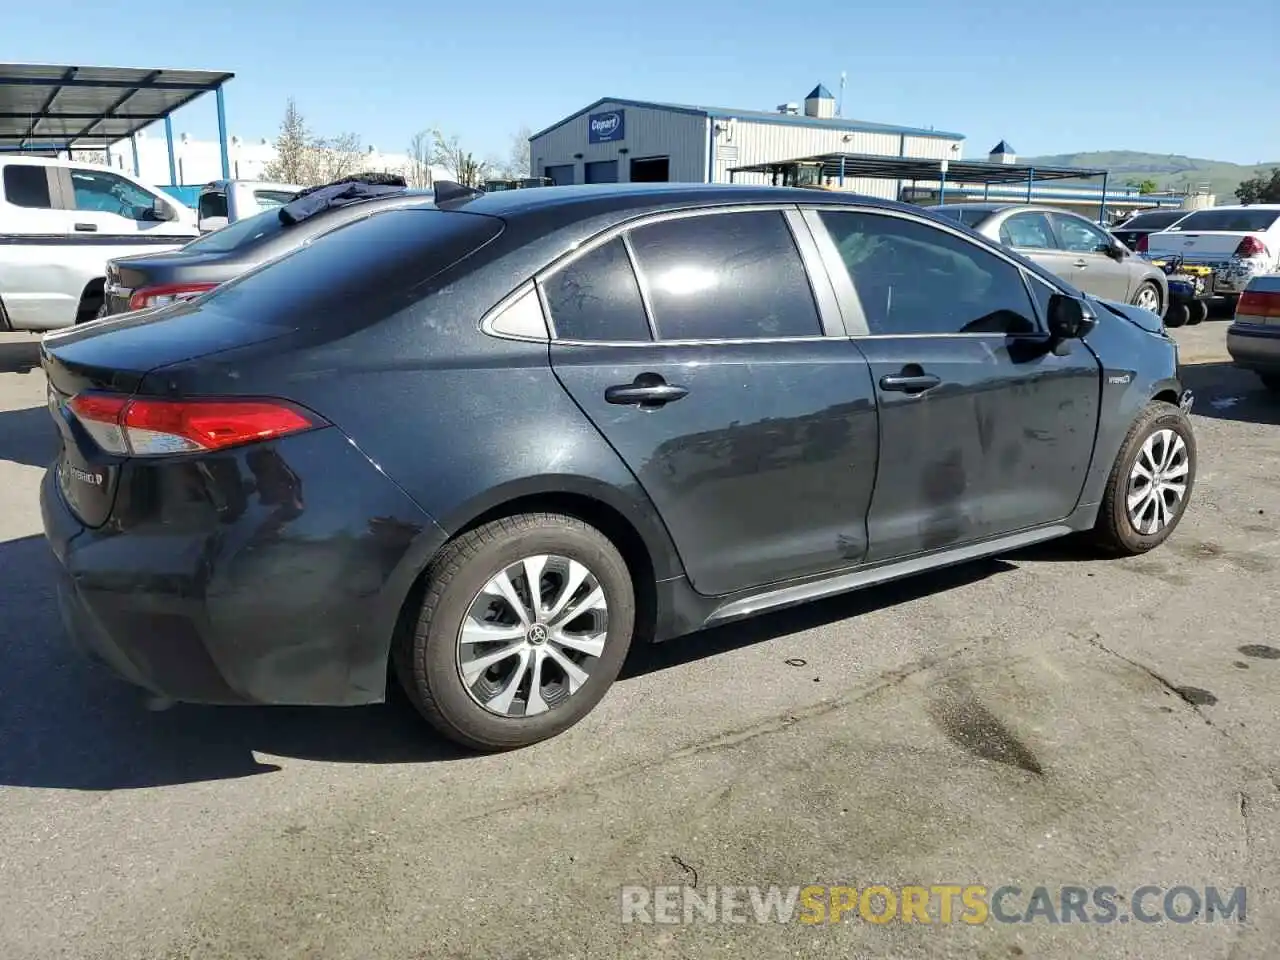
x,y
86,227
906,383
645,394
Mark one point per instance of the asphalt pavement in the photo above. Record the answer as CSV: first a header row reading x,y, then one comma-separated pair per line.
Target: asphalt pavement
x,y
1041,719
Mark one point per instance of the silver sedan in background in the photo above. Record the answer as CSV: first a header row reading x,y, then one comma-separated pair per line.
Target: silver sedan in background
x,y
1074,248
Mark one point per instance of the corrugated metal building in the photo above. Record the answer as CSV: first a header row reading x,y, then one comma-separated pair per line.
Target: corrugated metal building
x,y
617,140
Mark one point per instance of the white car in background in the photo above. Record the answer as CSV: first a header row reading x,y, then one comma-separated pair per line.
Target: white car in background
x,y
1238,242
226,201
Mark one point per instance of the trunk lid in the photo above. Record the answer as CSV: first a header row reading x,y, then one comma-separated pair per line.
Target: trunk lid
x,y
1215,247
115,356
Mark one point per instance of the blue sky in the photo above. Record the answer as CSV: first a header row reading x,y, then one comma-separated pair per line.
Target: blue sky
x,y
1087,75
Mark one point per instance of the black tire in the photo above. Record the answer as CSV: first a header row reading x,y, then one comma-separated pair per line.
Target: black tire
x,y
1148,286
1198,312
1271,381
1176,315
4,319
425,659
1114,533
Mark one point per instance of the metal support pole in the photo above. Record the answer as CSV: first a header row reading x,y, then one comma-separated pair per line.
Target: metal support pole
x,y
942,189
137,167
842,172
1031,179
173,166
986,191
222,133
1102,208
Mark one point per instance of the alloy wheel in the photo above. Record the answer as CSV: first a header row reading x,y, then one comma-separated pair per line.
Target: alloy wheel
x,y
1158,482
532,635
1148,299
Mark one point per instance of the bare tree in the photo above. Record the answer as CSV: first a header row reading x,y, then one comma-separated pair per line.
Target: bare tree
x,y
461,164
520,162
334,157
293,147
418,170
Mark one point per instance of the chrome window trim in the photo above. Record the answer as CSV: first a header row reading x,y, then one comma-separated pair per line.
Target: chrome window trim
x,y
642,284
854,302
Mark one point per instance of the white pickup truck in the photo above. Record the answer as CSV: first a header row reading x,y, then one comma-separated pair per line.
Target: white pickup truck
x,y
60,222
1239,243
226,201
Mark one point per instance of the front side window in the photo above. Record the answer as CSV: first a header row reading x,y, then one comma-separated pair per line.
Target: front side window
x,y
1027,231
726,276
596,297
912,278
102,192
27,186
268,199
1080,236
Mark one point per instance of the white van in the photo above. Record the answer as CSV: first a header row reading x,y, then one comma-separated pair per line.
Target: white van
x,y
60,222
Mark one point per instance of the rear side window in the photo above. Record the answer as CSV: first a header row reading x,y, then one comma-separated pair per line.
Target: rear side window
x,y
1153,221
358,274
966,215
242,233
1232,221
596,297
726,276
27,186
270,199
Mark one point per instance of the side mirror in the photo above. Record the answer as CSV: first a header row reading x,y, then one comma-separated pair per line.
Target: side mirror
x,y
209,224
1069,318
160,210
1116,250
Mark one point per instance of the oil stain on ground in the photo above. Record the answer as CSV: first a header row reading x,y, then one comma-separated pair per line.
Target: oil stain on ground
x,y
1260,651
971,726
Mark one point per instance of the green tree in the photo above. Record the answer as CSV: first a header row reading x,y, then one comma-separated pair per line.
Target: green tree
x,y
1260,189
293,145
1144,186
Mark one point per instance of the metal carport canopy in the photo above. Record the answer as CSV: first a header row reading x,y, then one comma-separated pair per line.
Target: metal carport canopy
x,y
54,107
912,168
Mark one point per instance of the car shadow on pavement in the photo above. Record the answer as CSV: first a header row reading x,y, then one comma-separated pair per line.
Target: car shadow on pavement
x,y
66,723
19,356
651,658
28,436
1225,392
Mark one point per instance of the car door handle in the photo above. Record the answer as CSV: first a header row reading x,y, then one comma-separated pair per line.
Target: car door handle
x,y
1081,264
910,383
645,394
86,227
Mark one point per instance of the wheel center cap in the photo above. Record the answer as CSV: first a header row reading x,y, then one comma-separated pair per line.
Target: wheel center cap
x,y
537,634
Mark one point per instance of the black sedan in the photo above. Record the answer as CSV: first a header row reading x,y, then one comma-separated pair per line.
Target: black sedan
x,y
150,280
488,444
1133,232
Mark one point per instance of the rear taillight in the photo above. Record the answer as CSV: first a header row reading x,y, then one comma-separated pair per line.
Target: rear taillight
x,y
1141,245
145,427
1251,247
158,296
1258,305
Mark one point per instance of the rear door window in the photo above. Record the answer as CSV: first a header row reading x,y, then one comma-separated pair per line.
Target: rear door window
x,y
27,186
725,276
1027,231
1230,221
596,297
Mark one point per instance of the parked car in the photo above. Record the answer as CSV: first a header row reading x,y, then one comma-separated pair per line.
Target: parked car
x,y
1253,339
149,280
1239,242
1133,232
228,201
61,221
495,441
1071,247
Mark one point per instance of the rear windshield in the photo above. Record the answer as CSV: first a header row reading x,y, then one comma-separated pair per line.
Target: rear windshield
x,y
357,274
1233,221
242,233
966,215
1153,221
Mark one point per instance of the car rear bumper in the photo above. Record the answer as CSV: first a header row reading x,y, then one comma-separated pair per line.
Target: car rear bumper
x,y
269,599
1255,346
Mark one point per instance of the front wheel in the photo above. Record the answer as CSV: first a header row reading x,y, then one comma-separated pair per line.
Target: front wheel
x,y
525,624
1150,483
1198,312
1147,296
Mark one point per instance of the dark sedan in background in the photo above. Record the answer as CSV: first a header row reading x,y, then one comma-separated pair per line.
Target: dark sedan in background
x,y
151,280
491,442
1070,246
1133,232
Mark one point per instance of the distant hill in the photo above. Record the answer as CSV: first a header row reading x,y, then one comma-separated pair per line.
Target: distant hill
x,y
1170,172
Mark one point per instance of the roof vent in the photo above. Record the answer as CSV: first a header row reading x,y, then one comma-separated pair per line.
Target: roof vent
x,y
790,109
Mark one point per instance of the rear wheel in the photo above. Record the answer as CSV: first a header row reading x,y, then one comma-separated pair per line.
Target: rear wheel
x,y
1198,312
1176,315
1147,296
1271,381
92,303
1150,483
4,319
525,623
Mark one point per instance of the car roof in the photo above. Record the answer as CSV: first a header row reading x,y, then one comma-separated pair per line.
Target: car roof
x,y
19,158
251,184
1239,206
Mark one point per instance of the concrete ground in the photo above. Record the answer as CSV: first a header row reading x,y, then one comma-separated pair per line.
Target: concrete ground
x,y
1041,719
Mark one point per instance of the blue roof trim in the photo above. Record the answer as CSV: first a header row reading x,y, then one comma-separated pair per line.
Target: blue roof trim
x,y
819,93
757,116
998,192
